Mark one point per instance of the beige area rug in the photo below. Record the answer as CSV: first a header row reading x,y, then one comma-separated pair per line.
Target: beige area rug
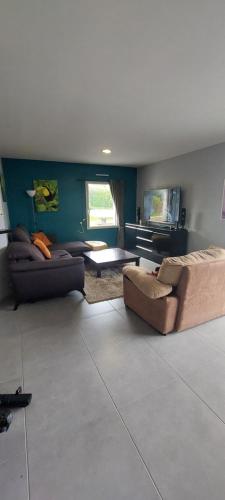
x,y
109,286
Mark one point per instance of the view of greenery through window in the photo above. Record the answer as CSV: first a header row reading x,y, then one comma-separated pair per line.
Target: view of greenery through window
x,y
101,208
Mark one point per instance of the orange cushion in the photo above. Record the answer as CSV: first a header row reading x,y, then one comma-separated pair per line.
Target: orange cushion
x,y
42,247
42,236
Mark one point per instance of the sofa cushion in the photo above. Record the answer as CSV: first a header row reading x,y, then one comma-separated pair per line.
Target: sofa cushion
x,y
75,248
43,237
42,247
146,282
18,250
21,234
171,268
96,245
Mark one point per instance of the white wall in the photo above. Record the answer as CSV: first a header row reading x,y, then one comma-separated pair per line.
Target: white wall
x,y
4,223
201,176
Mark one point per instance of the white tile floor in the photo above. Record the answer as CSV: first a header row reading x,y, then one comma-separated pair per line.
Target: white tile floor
x,y
118,411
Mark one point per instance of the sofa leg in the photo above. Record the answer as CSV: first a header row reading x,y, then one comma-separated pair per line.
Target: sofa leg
x,y
16,305
83,292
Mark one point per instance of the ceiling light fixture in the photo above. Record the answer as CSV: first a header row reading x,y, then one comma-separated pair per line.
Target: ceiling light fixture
x,y
106,151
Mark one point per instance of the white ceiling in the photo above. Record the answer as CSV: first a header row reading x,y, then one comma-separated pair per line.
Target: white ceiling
x,y
143,77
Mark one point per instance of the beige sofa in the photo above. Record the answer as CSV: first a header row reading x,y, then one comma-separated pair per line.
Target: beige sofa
x,y
198,293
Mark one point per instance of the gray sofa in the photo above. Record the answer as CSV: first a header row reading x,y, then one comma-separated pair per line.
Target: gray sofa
x,y
75,248
33,277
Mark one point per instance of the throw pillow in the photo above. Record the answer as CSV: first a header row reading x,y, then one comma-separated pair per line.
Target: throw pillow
x,y
38,243
146,283
42,236
20,234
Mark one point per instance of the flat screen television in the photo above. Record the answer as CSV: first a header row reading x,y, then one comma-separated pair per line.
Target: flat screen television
x,y
162,205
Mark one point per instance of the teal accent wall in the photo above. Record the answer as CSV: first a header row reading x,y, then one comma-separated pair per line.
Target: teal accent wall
x,y
65,224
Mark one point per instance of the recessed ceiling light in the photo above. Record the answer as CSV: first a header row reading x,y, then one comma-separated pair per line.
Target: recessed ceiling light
x,y
106,151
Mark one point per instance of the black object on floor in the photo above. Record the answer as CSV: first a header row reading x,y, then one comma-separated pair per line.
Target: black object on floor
x,y
17,400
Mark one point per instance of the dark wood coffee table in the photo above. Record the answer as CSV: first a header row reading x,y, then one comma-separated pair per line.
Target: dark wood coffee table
x,y
110,257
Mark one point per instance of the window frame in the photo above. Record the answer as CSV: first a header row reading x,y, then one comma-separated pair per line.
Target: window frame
x,y
88,210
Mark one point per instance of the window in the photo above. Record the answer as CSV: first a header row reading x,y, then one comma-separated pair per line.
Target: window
x,y
101,211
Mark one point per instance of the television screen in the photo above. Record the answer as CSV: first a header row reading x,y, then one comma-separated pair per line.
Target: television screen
x,y
162,205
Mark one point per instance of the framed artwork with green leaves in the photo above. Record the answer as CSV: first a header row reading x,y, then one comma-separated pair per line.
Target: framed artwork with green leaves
x,y
46,196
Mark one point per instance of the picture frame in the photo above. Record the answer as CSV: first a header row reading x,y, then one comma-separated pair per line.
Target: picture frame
x,y
47,195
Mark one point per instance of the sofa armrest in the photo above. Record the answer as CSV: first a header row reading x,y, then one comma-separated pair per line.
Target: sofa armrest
x,y
159,313
45,265
51,278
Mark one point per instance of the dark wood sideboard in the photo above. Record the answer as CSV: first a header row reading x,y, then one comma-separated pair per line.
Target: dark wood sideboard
x,y
155,243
